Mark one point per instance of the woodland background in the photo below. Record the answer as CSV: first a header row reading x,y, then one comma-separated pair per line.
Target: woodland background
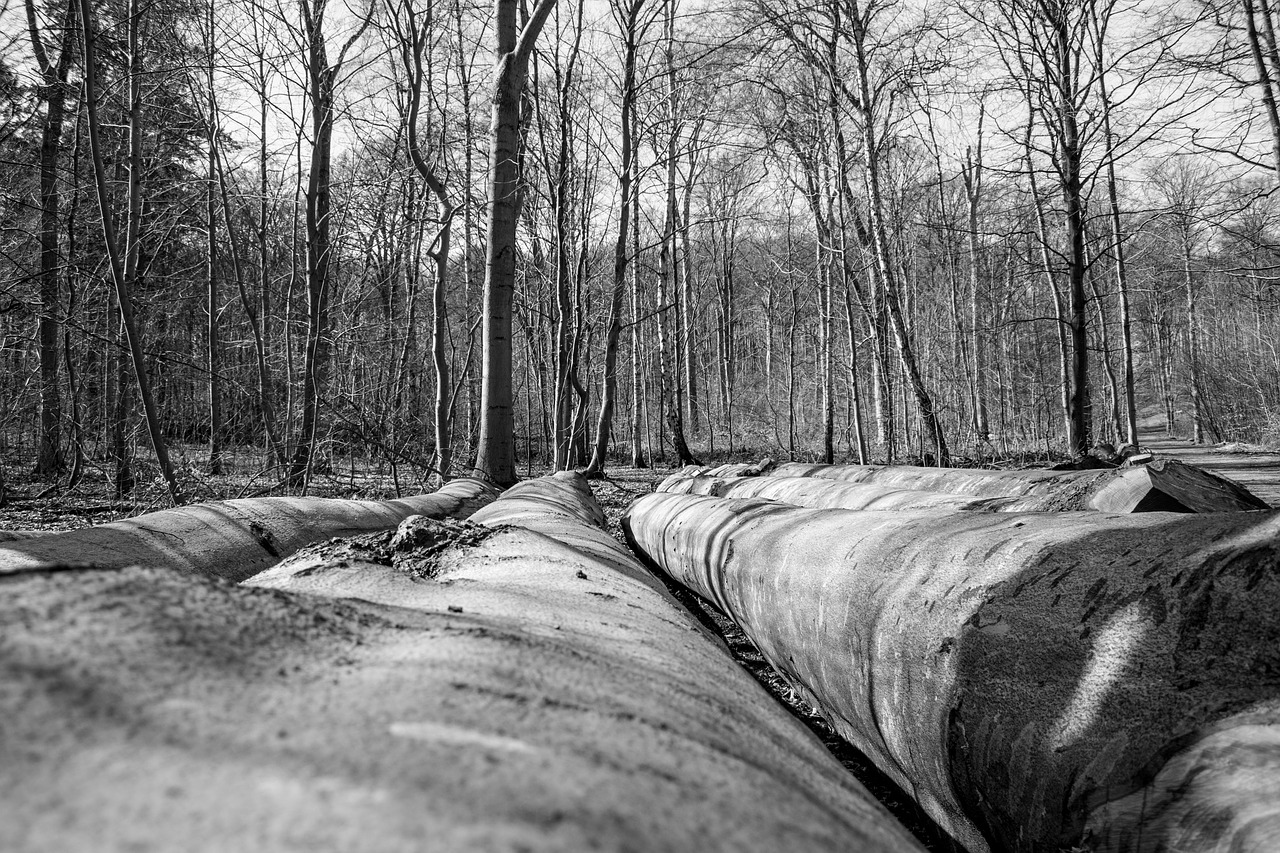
x,y
833,229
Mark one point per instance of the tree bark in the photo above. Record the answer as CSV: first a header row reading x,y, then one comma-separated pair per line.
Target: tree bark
x,y
629,18
322,76
53,91
233,539
1164,485
668,274
880,242
214,302
1266,83
1038,681
414,38
124,270
496,456
535,687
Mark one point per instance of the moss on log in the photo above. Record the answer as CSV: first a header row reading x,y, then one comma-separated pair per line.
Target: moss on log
x,y
1041,682
232,539
534,694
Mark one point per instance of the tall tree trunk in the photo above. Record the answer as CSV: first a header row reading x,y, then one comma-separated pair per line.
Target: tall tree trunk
x,y
1266,83
322,76
855,396
686,297
1072,197
973,191
414,39
638,398
53,78
880,240
669,275
1128,391
608,397
1193,341
496,456
124,270
211,225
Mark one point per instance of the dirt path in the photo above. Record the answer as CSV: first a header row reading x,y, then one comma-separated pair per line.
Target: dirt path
x,y
1257,472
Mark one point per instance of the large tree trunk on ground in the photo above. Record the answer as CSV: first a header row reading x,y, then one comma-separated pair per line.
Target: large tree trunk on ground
x,y
1165,485
538,690
816,493
1039,681
15,535
232,539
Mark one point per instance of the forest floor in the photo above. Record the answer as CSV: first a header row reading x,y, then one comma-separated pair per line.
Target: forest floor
x,y
29,505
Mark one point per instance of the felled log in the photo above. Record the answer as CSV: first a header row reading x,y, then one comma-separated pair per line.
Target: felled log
x,y
15,535
1165,485
733,469
233,539
1039,681
817,493
494,688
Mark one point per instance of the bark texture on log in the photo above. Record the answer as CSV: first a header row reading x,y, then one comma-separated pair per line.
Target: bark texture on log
x,y
735,469
1165,485
517,693
817,493
1039,681
232,539
15,535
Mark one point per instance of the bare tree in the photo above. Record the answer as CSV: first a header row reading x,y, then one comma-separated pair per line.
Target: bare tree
x,y
496,454
124,270
53,91
322,76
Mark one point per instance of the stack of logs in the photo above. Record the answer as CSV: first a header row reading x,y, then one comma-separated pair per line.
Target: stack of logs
x,y
1044,660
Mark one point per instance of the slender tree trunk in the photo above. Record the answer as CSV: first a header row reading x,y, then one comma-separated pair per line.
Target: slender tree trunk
x,y
124,270
973,190
1266,83
638,397
669,284
316,358
855,396
608,396
880,240
686,301
414,44
1117,248
211,225
1193,342
496,456
1072,198
50,460
257,326
825,372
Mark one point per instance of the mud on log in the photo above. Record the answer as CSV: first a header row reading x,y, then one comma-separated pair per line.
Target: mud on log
x,y
232,539
1039,681
1165,485
536,689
